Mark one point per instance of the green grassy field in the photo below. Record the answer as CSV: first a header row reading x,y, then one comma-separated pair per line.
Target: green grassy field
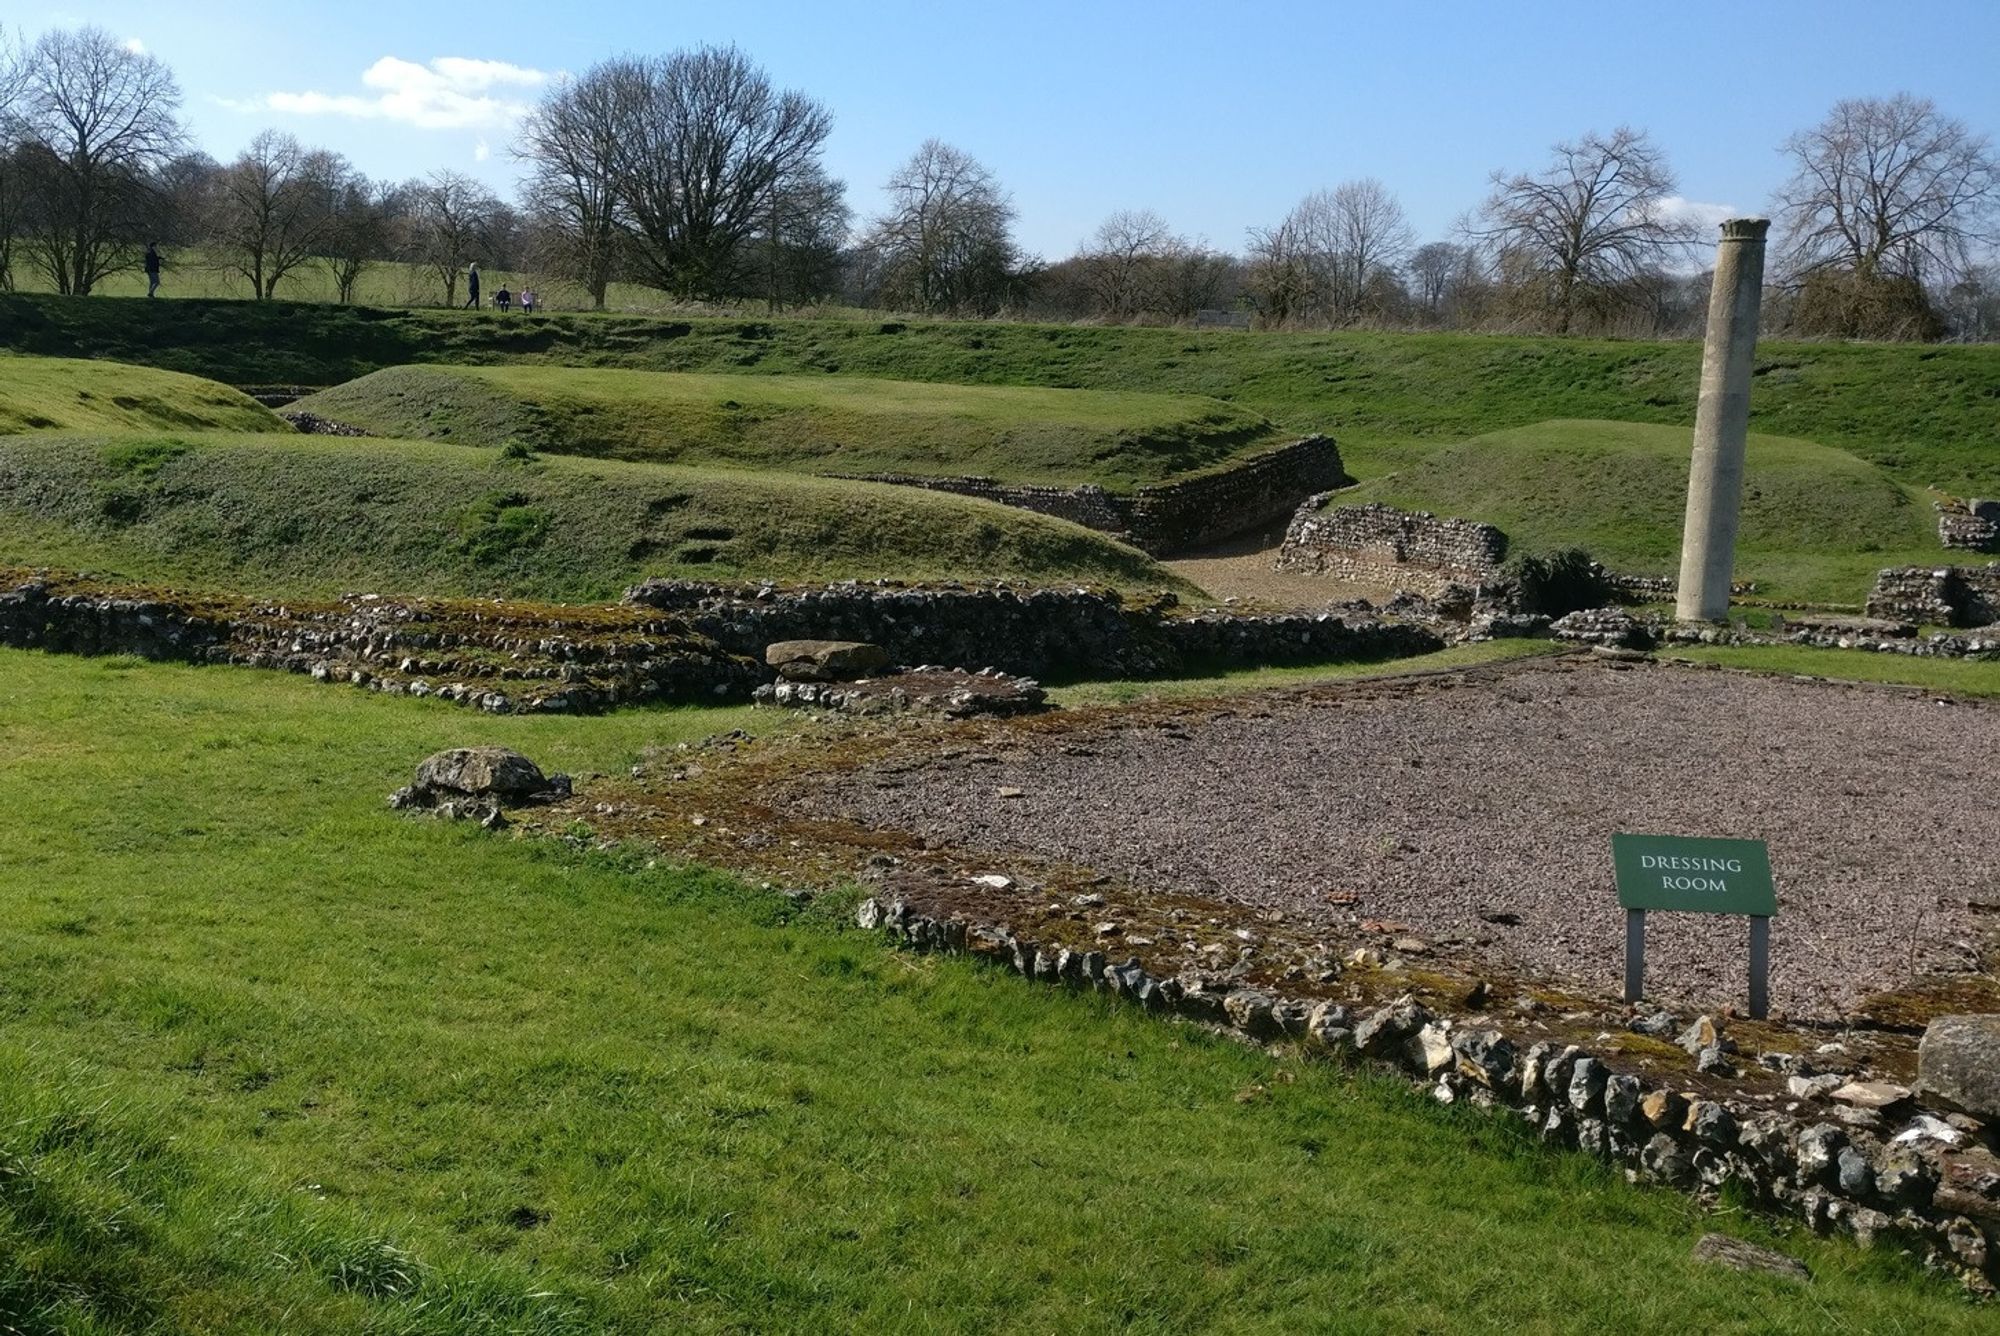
x,y
194,274
299,516
1931,415
1817,522
817,424
1958,677
71,394
274,1058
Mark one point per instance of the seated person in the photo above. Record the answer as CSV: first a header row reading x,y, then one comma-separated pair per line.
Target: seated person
x,y
503,299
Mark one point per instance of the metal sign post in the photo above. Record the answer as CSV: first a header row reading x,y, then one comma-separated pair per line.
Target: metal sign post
x,y
1669,872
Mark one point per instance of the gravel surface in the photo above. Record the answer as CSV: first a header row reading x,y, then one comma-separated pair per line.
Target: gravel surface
x,y
1437,802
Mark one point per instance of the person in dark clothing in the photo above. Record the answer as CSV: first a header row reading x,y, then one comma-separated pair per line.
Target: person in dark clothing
x,y
503,298
152,267
472,288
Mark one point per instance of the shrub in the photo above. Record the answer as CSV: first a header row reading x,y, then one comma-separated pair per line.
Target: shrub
x,y
498,525
1560,582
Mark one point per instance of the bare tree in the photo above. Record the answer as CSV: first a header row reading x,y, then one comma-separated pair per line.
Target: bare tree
x,y
1283,277
1432,268
1587,225
13,155
97,119
705,141
1367,237
571,143
946,242
361,215
1888,186
1121,259
450,220
1888,196
799,247
272,209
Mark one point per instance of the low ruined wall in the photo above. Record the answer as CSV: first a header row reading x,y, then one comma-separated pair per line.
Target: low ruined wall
x,y
504,659
1178,516
1971,526
1169,517
1071,632
1938,595
1379,544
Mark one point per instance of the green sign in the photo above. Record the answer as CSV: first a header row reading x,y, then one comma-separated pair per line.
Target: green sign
x,y
1704,876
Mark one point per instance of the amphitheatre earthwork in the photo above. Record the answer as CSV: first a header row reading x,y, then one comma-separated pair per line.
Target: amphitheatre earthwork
x,y
1304,715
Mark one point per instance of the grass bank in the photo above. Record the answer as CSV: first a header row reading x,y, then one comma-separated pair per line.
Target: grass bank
x,y
73,394
811,424
294,515
1957,677
1817,522
275,1058
1931,415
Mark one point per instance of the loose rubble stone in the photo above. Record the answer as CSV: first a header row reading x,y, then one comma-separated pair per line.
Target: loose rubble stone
x,y
1621,1099
1712,1124
1723,1250
1664,1108
1586,1085
1485,1056
1386,1030
1871,1094
825,660
1958,1064
1853,1172
1819,1148
1430,1050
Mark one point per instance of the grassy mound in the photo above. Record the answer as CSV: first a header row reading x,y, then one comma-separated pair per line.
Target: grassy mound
x,y
312,515
818,424
1931,415
1817,522
77,394
275,1059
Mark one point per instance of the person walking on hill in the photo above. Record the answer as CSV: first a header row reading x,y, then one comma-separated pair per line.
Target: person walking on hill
x,y
472,286
152,267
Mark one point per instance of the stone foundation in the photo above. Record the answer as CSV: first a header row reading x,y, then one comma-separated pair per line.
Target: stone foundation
x,y
1170,517
1041,633
1973,526
1381,545
1938,595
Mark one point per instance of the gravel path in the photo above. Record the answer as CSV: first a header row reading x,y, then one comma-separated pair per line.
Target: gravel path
x,y
1436,803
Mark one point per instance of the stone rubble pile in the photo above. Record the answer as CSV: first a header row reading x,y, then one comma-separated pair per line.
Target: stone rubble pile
x,y
1857,1156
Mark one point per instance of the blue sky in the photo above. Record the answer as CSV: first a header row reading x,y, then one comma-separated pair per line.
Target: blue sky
x,y
1219,116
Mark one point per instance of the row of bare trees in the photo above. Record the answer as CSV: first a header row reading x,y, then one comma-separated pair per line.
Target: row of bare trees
x,y
1886,228
690,173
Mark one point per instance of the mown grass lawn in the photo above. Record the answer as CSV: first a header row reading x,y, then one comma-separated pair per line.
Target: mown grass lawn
x,y
273,1058
1928,414
76,394
1958,677
1817,523
299,516
807,423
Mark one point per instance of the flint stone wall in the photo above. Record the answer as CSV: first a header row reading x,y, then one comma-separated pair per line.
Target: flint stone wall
x,y
496,663
1938,595
1169,517
1973,526
1071,632
1379,544
1930,1188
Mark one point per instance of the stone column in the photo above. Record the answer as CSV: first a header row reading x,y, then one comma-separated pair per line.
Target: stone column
x,y
1715,482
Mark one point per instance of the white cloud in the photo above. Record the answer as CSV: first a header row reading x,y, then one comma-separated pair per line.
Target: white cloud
x,y
449,93
482,150
135,46
1709,216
